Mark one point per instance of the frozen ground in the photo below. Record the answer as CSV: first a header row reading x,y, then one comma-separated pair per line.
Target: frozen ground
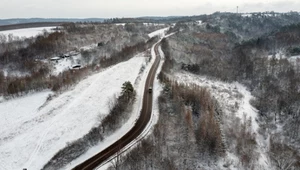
x,y
130,123
157,88
234,98
64,64
160,32
17,111
60,65
229,95
295,59
44,127
280,55
40,132
139,86
26,32
14,73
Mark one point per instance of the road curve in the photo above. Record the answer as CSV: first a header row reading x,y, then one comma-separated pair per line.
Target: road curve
x,y
138,128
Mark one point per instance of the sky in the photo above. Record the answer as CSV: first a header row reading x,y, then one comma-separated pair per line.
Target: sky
x,y
135,8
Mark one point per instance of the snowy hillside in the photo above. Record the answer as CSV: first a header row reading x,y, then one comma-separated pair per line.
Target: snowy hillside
x,y
234,99
159,33
41,131
26,32
139,86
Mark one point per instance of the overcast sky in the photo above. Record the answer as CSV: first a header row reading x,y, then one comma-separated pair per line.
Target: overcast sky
x,y
135,8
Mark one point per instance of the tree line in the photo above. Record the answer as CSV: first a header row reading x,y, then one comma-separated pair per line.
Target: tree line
x,y
273,80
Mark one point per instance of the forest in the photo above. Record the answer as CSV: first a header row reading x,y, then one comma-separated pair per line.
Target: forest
x,y
194,130
32,56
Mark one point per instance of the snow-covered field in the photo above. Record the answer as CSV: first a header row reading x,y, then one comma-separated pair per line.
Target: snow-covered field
x,y
160,32
19,110
41,131
234,99
26,32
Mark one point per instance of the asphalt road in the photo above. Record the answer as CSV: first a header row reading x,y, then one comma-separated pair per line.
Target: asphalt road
x,y
140,125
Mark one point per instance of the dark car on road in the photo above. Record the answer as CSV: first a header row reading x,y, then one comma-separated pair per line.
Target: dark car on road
x,y
150,89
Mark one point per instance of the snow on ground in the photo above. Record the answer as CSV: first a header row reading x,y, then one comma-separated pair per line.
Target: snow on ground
x,y
145,23
88,47
234,98
122,24
64,64
278,55
17,111
199,22
159,33
294,59
2,99
222,92
14,73
38,135
130,123
157,88
48,127
246,15
139,86
75,58
281,55
26,32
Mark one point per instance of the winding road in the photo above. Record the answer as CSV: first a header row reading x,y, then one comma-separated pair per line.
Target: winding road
x,y
138,128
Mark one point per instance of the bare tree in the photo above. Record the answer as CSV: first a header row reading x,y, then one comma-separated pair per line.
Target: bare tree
x,y
283,157
116,162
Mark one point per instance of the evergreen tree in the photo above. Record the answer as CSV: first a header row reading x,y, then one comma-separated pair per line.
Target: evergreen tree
x,y
127,90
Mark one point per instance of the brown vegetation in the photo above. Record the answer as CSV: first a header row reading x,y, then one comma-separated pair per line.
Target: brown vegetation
x,y
29,56
283,157
207,134
39,78
186,132
273,81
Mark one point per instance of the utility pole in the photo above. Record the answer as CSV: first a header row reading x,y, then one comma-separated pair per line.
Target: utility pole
x,y
237,9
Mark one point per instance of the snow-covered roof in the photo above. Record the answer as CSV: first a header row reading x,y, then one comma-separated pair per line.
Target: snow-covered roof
x,y
55,58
